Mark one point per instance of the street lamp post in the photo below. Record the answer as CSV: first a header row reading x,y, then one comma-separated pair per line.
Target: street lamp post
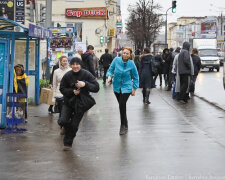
x,y
166,26
48,23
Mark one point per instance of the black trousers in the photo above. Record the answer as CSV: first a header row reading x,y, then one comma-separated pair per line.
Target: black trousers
x,y
122,100
183,86
160,78
70,121
59,102
192,85
170,79
105,72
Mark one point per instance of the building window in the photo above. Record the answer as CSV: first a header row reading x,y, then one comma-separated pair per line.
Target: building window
x,y
69,25
78,30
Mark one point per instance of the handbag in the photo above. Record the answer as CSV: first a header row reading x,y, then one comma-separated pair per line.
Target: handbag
x,y
58,104
83,103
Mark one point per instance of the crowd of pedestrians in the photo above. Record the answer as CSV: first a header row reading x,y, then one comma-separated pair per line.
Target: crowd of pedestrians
x,y
73,86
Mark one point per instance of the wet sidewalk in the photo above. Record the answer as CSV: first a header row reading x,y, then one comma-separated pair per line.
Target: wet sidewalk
x,y
165,140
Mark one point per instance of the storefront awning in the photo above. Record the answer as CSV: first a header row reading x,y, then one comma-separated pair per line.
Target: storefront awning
x,y
6,23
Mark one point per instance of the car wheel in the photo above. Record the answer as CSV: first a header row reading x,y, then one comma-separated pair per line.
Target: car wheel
x,y
218,69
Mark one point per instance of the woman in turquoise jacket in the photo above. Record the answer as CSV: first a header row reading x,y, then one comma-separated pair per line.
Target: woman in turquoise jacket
x,y
125,82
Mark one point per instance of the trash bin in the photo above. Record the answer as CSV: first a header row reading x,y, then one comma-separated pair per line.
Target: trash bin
x,y
15,113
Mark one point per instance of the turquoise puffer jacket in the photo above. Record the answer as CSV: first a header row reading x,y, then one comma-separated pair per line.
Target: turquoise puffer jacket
x,y
124,74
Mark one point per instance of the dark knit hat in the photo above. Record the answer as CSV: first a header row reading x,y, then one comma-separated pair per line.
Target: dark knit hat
x,y
76,60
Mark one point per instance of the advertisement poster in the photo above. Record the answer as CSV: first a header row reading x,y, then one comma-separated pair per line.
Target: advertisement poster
x,y
7,9
61,43
20,11
66,43
208,27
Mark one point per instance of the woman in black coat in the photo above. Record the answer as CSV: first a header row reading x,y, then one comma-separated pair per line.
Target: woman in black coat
x,y
197,66
165,63
75,86
158,61
146,78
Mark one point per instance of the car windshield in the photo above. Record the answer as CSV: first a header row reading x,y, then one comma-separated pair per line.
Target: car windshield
x,y
208,52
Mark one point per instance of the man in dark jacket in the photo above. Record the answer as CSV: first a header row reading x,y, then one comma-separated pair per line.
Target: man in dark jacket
x,y
170,60
169,71
87,59
184,69
197,66
165,65
106,60
75,83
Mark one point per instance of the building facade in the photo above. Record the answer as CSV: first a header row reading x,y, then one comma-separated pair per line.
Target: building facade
x,y
188,28
94,21
182,30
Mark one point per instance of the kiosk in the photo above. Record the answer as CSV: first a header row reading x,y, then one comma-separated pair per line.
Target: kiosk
x,y
7,56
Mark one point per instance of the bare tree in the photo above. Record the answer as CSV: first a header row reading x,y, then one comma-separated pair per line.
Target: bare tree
x,y
144,23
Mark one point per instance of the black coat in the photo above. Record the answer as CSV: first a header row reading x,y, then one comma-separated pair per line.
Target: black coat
x,y
137,62
158,59
169,60
146,79
88,63
67,85
53,70
166,64
106,60
196,63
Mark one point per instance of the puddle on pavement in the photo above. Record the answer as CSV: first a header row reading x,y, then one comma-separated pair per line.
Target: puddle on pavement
x,y
186,132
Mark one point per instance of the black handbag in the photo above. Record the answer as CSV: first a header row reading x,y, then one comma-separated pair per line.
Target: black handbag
x,y
83,103
58,104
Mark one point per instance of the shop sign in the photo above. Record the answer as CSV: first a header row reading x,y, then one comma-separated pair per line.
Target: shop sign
x,y
119,22
62,30
87,13
39,32
111,32
20,11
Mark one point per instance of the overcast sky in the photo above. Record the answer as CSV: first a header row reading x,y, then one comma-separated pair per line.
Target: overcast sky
x,y
184,8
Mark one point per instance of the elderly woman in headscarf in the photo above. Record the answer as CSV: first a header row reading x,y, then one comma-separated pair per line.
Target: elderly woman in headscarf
x,y
183,67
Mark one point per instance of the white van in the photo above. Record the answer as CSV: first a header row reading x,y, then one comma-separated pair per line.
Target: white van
x,y
208,53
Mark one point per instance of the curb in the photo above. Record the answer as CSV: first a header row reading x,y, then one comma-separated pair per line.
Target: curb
x,y
212,103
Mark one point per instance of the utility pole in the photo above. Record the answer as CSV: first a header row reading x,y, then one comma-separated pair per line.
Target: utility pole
x,y
173,7
166,26
48,23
